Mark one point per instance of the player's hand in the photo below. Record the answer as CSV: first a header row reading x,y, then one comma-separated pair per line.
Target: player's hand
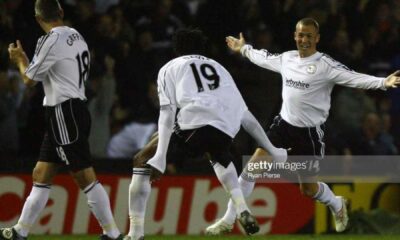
x,y
393,80
17,53
235,44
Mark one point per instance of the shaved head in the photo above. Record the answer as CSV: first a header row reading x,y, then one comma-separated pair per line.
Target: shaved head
x,y
308,22
48,10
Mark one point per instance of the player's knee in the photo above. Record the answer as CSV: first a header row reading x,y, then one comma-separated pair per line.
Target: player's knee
x,y
39,175
141,158
84,177
307,191
139,161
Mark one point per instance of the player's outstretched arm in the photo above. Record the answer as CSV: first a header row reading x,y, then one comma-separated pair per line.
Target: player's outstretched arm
x,y
18,56
393,80
165,128
235,44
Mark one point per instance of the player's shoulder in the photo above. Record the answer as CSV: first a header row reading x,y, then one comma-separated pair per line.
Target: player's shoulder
x,y
329,60
333,63
68,35
46,42
290,54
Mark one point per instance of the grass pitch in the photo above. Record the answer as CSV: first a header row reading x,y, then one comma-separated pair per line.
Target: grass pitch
x,y
272,237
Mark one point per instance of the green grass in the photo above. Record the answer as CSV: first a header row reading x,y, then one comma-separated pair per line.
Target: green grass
x,y
272,237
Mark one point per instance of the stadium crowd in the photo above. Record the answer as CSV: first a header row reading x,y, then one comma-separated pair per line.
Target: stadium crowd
x,y
131,40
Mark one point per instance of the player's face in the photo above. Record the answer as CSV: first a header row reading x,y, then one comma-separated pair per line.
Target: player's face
x,y
306,37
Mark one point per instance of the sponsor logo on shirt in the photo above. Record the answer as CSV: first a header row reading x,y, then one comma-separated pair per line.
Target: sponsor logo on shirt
x,y
297,84
311,69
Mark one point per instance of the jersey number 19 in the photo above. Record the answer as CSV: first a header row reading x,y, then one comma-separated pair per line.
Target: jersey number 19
x,y
212,78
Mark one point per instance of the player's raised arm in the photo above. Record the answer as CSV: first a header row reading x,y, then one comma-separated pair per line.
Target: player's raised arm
x,y
18,56
235,44
262,57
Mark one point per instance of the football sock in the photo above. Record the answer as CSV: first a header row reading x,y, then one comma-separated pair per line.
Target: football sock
x,y
247,187
99,204
229,179
33,206
327,197
139,192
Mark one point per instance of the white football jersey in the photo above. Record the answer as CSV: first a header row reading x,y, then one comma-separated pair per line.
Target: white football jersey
x,y
61,62
203,91
307,83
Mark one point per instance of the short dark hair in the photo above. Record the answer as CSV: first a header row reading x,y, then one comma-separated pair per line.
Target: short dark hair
x,y
48,10
189,41
309,22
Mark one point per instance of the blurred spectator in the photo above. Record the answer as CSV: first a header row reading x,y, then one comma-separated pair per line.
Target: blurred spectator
x,y
349,108
102,6
161,23
9,103
102,86
372,140
123,30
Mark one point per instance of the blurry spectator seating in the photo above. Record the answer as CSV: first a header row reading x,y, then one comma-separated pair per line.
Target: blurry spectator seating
x,y
161,23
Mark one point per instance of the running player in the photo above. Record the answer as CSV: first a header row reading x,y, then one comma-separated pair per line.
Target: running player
x,y
211,111
308,78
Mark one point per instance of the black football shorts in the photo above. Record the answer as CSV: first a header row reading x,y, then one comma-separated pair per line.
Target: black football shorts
x,y
66,137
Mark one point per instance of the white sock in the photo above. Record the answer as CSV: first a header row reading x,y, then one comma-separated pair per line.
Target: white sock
x,y
139,192
33,206
229,179
99,204
327,197
246,187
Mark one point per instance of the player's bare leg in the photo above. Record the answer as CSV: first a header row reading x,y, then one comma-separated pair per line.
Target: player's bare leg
x,y
320,191
42,177
225,224
98,201
139,189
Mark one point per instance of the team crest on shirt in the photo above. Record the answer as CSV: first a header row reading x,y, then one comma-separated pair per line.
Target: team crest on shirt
x,y
311,69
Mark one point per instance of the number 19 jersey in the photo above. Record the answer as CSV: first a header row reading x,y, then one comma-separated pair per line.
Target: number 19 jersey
x,y
61,62
203,91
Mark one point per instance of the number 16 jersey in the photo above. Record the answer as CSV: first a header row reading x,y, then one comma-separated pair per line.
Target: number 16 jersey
x,y
61,62
203,91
